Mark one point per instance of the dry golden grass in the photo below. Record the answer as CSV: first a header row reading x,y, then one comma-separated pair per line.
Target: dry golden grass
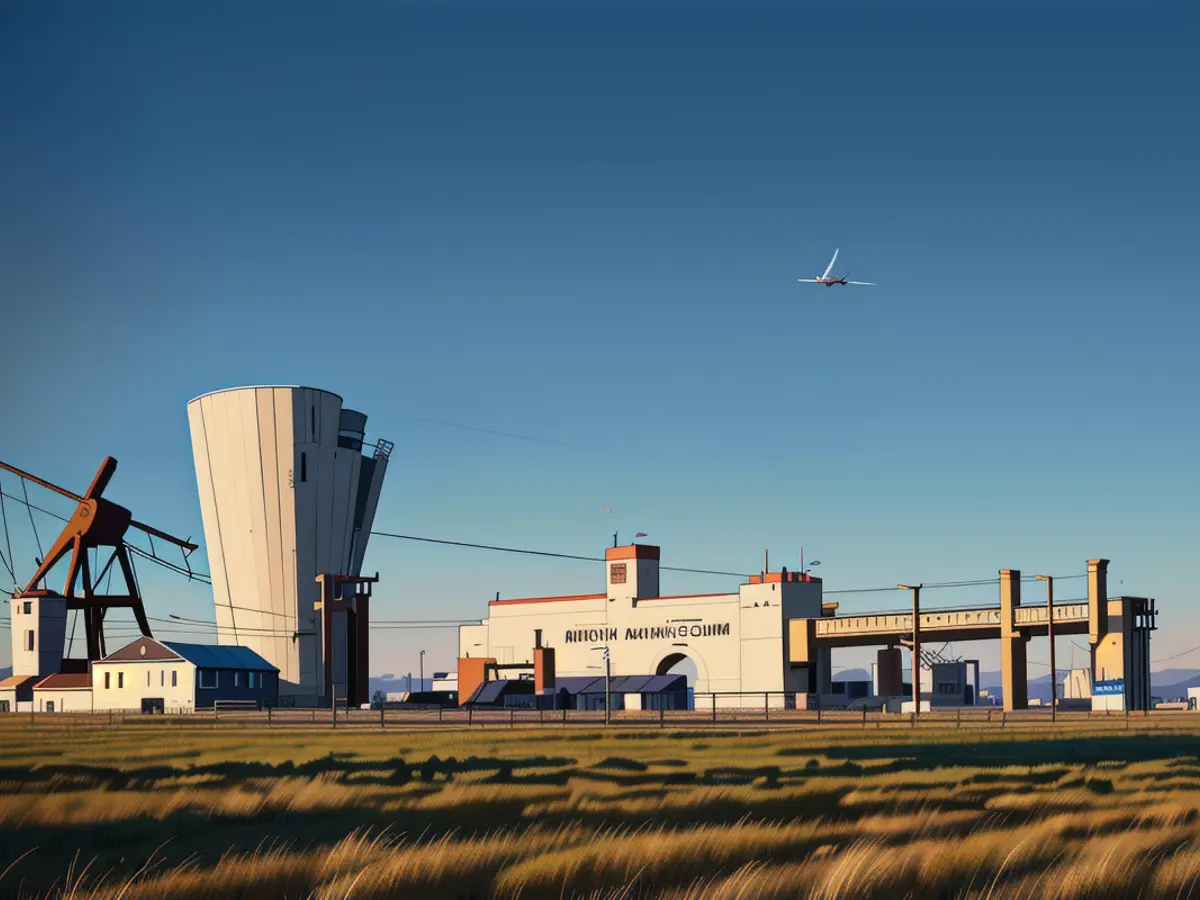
x,y
977,815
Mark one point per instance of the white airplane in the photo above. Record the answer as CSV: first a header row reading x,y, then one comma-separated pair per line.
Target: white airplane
x,y
830,282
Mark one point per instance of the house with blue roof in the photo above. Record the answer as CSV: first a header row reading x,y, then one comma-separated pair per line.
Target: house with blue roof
x,y
168,676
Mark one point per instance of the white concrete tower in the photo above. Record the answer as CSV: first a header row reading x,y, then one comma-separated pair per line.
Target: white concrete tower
x,y
286,493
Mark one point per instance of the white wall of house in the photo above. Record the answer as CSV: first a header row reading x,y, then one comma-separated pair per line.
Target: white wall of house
x,y
72,700
124,684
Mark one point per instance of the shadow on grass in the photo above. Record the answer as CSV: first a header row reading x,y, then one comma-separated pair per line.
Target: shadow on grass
x,y
1021,751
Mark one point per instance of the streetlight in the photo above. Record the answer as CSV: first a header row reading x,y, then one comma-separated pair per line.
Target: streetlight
x,y
1049,579
916,646
421,680
607,680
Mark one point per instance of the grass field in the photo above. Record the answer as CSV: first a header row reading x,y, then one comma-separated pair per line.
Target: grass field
x,y
147,811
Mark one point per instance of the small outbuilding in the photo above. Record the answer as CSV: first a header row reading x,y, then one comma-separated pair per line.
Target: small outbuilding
x,y
63,692
16,693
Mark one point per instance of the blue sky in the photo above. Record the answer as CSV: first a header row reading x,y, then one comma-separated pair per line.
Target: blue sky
x,y
584,222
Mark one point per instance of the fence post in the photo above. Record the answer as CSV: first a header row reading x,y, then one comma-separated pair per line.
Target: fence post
x,y
864,717
1003,719
381,715
662,716
714,707
989,715
564,716
512,717
470,714
268,717
958,717
766,706
818,696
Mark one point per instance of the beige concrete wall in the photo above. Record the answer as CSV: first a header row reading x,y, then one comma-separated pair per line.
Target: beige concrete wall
x,y
135,688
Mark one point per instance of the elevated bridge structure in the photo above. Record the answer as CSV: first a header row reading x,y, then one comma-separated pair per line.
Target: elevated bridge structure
x,y
1118,631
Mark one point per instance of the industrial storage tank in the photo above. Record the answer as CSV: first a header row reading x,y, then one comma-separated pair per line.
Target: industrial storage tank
x,y
288,490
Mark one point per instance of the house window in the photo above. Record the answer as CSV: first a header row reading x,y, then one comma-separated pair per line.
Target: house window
x,y
162,677
49,706
254,681
174,678
3,706
312,417
29,640
28,607
147,678
617,573
208,678
237,679
304,467
120,680
107,683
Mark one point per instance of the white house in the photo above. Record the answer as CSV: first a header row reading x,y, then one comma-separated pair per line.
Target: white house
x,y
155,676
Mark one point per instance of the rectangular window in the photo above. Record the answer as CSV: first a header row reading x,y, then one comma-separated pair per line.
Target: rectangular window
x,y
255,680
162,677
617,573
237,679
29,640
28,607
107,682
304,467
3,706
120,680
208,678
174,678
147,678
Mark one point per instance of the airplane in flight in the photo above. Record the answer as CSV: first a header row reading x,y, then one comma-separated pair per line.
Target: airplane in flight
x,y
830,282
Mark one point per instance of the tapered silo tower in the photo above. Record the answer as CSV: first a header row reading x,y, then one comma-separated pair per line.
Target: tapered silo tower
x,y
288,491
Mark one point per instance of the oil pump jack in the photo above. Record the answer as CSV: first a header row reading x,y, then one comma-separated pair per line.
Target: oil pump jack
x,y
97,525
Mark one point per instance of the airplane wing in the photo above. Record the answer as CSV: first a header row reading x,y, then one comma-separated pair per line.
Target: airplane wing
x,y
861,282
829,268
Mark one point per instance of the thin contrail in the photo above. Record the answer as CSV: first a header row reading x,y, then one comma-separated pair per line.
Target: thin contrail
x,y
509,434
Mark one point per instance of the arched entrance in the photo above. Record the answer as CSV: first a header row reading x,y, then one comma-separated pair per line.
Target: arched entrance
x,y
690,666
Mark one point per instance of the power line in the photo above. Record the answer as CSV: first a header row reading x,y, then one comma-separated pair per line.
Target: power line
x,y
546,553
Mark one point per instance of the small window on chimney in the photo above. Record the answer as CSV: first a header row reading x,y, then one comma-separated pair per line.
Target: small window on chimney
x,y
304,467
617,573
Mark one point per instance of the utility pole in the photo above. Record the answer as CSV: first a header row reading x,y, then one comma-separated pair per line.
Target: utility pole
x,y
1049,579
916,646
421,679
607,681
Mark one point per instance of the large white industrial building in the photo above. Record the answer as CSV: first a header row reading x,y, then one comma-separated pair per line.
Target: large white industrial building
x,y
288,492
738,642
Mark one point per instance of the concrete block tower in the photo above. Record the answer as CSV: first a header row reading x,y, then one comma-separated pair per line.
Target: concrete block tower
x,y
288,492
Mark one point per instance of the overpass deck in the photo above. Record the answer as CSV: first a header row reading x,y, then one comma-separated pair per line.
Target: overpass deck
x,y
980,623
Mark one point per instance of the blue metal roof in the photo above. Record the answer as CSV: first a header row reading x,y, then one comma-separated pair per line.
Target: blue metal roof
x,y
621,684
214,656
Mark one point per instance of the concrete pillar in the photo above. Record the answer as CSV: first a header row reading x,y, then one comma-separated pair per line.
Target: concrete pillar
x,y
824,670
890,669
543,670
1014,675
1097,608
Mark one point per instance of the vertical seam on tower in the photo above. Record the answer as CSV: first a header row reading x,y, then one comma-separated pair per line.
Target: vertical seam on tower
x,y
217,512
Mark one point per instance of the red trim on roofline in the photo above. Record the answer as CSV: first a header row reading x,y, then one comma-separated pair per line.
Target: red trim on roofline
x,y
547,599
686,597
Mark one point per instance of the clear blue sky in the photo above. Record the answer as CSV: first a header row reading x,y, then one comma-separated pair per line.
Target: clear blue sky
x,y
584,222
